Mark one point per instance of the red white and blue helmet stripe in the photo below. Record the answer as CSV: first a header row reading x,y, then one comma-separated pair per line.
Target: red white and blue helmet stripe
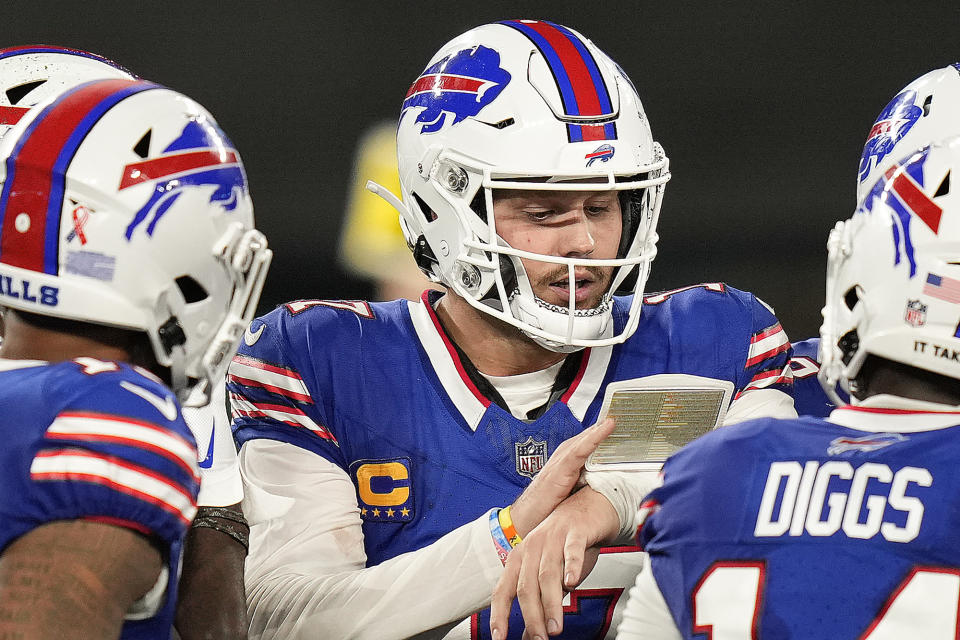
x,y
37,166
583,91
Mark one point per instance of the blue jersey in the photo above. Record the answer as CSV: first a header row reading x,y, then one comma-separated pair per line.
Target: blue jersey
x,y
99,441
809,399
381,391
848,528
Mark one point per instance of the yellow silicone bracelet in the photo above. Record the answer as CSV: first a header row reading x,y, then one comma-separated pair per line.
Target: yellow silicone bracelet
x,y
506,523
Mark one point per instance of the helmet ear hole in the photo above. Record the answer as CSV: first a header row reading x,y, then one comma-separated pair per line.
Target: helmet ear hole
x,y
192,290
849,344
171,334
851,297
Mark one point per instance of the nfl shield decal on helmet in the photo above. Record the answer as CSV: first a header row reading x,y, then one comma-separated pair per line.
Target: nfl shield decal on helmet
x,y
915,313
531,456
892,124
456,87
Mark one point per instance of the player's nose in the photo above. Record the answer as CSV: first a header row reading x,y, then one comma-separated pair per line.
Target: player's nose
x,y
578,240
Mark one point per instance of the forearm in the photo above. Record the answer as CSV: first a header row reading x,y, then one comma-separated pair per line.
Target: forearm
x,y
73,579
211,603
411,593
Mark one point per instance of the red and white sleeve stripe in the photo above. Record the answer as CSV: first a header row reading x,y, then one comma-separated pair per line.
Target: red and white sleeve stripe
x,y
251,372
283,413
90,426
769,378
766,344
131,479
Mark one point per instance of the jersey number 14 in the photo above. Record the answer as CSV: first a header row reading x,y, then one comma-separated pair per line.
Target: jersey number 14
x,y
727,603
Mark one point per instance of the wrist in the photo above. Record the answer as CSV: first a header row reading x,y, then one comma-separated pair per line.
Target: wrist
x,y
598,511
522,522
624,490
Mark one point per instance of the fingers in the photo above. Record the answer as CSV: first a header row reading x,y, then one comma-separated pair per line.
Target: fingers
x,y
503,594
586,442
599,432
575,451
573,550
551,589
528,595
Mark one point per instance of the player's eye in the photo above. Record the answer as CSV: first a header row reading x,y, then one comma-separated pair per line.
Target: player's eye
x,y
598,209
538,215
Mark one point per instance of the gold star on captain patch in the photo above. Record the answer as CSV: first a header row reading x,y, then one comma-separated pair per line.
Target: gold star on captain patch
x,y
363,511
390,513
404,512
376,513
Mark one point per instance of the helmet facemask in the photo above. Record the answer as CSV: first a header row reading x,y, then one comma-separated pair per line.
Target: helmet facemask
x,y
242,260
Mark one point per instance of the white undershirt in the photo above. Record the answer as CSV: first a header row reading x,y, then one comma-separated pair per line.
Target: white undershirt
x,y
524,392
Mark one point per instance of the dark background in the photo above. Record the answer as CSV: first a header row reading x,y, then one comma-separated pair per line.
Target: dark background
x,y
762,108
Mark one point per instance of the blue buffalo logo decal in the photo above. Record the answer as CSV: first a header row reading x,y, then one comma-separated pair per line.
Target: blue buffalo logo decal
x,y
896,119
904,191
201,156
602,153
456,87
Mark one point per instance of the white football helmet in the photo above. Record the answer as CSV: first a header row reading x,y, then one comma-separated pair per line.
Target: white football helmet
x,y
525,104
925,110
122,203
32,73
893,273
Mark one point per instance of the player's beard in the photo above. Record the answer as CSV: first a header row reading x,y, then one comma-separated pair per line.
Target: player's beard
x,y
600,283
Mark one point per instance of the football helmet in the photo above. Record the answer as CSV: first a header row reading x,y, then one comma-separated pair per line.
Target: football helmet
x,y
122,203
893,272
923,111
525,104
33,73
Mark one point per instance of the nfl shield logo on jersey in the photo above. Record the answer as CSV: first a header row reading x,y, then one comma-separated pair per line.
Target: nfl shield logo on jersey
x,y
531,456
915,313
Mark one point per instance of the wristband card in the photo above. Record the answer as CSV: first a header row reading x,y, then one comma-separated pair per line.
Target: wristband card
x,y
655,416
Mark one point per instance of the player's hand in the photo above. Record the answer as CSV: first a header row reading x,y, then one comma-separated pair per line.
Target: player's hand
x,y
555,557
557,478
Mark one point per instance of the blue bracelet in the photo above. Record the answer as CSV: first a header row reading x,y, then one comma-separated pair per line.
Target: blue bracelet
x,y
499,537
